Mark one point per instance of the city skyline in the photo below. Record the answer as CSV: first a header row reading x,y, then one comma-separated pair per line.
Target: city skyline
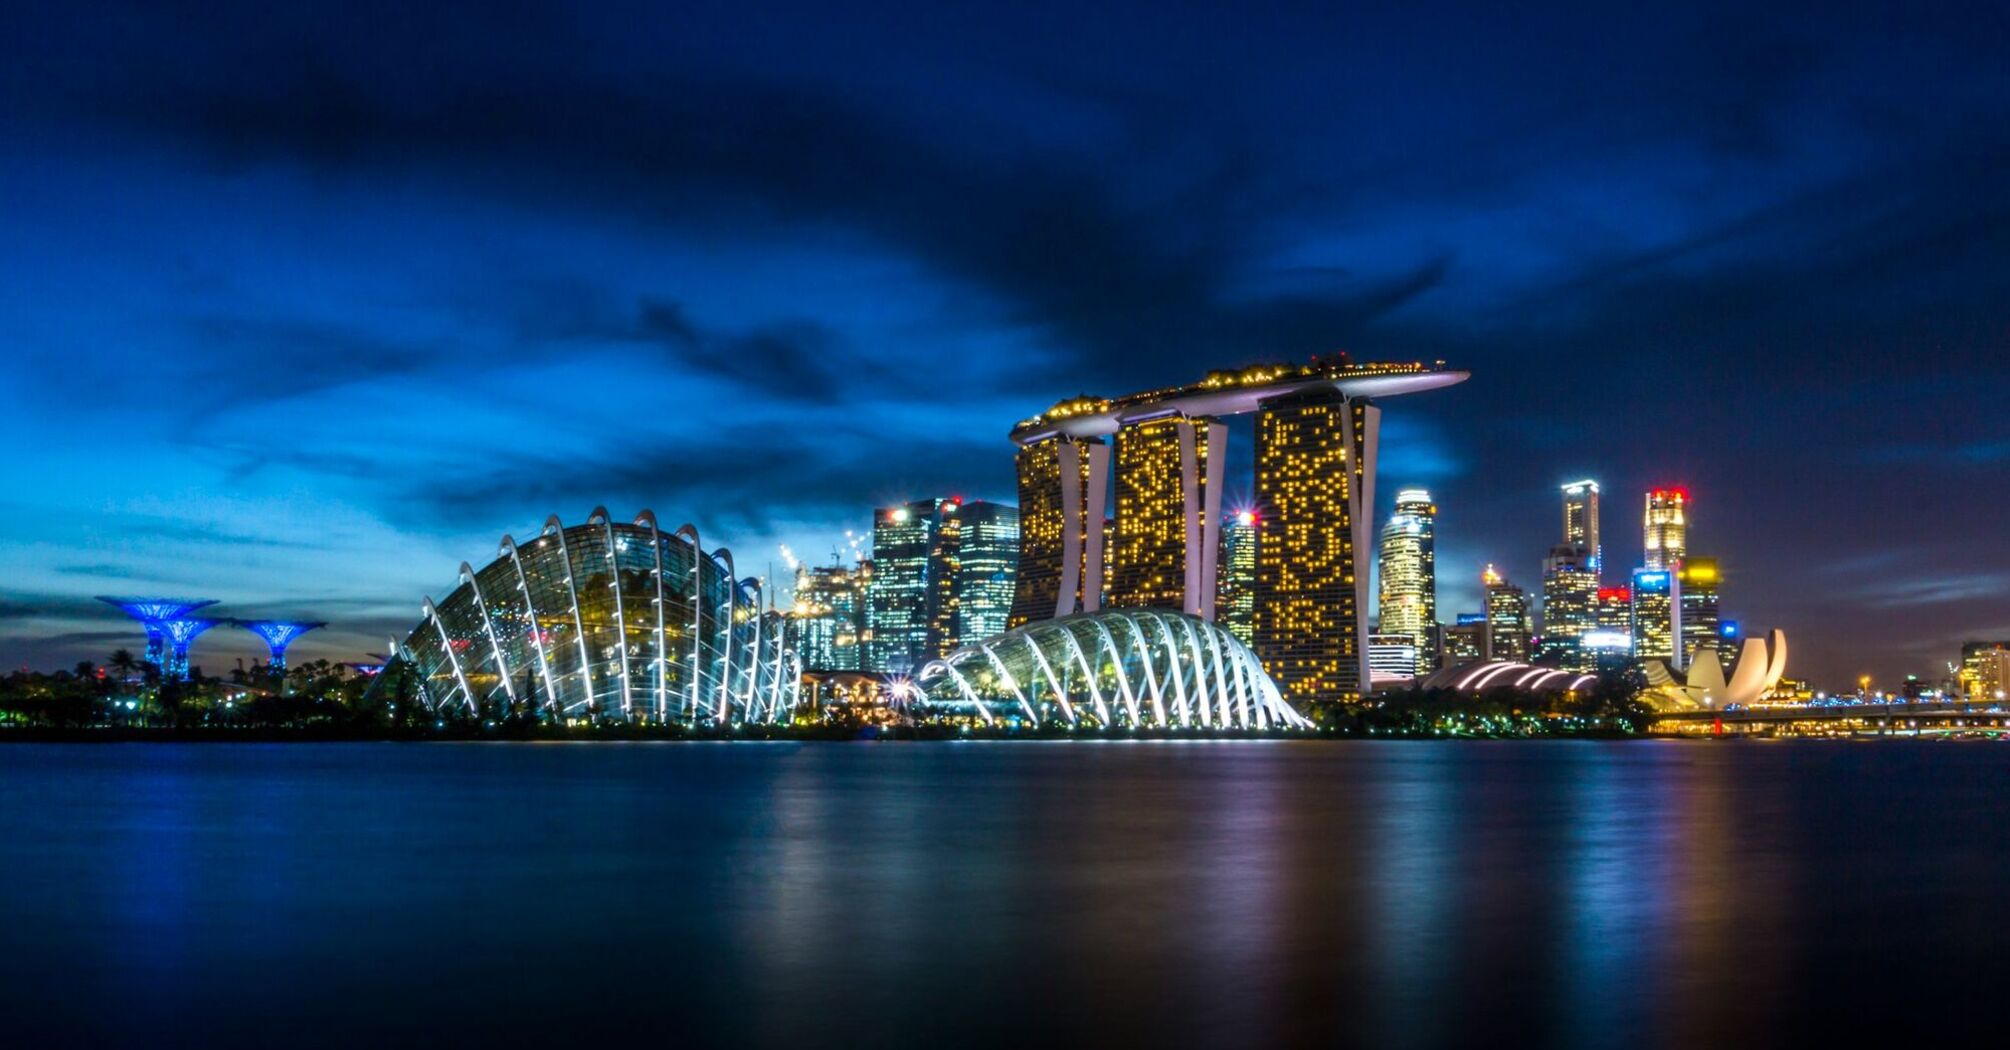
x,y
303,313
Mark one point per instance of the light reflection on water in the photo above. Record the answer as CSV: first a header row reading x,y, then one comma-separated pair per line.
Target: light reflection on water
x,y
1391,894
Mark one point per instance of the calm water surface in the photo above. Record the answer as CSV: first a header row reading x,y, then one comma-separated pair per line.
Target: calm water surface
x,y
1024,894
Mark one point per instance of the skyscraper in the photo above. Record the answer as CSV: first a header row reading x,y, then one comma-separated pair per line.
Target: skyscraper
x,y
1666,527
1063,483
1168,481
987,566
1580,521
912,594
1235,600
1656,627
1315,479
1507,615
1469,641
1569,606
1702,623
829,616
1408,573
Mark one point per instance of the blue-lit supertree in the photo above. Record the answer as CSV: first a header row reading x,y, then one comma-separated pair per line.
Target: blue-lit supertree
x,y
178,633
152,613
278,634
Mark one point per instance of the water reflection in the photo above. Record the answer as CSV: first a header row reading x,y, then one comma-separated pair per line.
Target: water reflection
x,y
1175,894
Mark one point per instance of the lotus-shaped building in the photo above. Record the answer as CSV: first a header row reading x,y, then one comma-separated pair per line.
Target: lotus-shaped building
x,y
1753,676
1145,668
605,620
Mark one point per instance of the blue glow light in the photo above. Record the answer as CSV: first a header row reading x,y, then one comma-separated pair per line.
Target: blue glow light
x,y
278,634
152,613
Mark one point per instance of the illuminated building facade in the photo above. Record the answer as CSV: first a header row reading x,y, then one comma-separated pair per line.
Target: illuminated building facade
x,y
987,568
912,596
829,616
1508,614
1315,476
1163,553
1392,657
1580,521
1469,640
1407,571
1235,595
1063,485
1666,536
1702,622
1984,673
1569,606
602,621
1313,528
1656,627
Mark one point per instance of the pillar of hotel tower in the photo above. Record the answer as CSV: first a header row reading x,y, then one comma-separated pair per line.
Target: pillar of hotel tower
x,y
1315,494
1063,488
1168,534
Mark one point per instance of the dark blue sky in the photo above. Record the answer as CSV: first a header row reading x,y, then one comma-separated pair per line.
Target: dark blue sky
x,y
303,307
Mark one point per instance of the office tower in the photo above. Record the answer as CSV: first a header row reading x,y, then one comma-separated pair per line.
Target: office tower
x,y
912,594
1580,521
1507,614
1667,527
1168,504
1315,479
1569,606
1608,646
829,616
1235,600
987,565
1469,641
1063,483
1408,574
1984,673
1702,624
1656,627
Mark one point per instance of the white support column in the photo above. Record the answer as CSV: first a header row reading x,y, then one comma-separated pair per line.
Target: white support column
x,y
1098,502
689,533
662,692
1053,680
723,558
620,614
1005,675
453,661
553,527
489,628
536,628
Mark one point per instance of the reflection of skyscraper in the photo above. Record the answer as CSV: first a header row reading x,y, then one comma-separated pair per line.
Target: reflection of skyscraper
x,y
1168,481
987,564
1315,478
1507,615
1580,521
1656,596
1702,623
1408,574
1666,527
1235,603
1063,482
913,597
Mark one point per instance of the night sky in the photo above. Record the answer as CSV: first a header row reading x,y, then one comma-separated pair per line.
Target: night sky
x,y
303,307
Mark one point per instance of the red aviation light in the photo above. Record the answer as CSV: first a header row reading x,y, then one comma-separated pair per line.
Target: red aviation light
x,y
1676,493
1615,594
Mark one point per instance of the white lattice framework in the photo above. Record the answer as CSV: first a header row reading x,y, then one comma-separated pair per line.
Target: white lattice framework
x,y
1146,668
605,620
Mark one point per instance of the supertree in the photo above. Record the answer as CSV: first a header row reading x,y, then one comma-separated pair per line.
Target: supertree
x,y
179,632
278,634
153,613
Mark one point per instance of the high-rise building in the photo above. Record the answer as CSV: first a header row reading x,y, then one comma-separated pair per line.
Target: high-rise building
x,y
1569,606
1235,596
829,616
1168,481
1469,641
987,566
1408,575
1507,614
1580,521
1702,623
913,590
1392,657
1063,483
1984,673
1656,627
1315,479
1608,646
1666,527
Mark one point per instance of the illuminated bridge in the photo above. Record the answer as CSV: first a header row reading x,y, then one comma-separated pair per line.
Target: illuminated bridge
x,y
1142,668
